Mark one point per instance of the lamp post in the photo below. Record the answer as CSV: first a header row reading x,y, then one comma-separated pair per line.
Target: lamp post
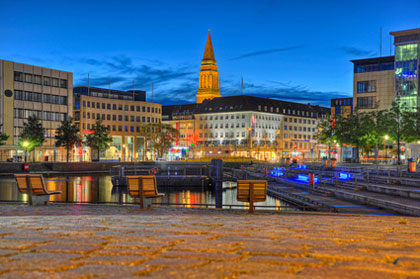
x,y
25,146
386,137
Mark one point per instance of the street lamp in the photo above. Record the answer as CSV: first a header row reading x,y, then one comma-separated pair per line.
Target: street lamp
x,y
386,137
25,145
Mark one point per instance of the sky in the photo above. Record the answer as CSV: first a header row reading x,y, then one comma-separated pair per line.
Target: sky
x,y
296,51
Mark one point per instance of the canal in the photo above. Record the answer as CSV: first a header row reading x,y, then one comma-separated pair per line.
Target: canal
x,y
99,189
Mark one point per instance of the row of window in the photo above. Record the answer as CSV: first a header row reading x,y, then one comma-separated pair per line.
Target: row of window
x,y
222,117
295,120
296,136
114,128
114,117
366,102
42,115
297,145
99,105
367,86
38,97
383,66
300,129
41,80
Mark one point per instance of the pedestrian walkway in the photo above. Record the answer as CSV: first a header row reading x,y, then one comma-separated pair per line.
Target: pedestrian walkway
x,y
98,241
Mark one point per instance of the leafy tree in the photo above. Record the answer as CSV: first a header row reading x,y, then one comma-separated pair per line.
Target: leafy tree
x,y
402,125
326,133
160,136
354,130
67,135
3,137
32,135
99,140
377,130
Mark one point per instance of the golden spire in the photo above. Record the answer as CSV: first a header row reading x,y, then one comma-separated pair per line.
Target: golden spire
x,y
208,52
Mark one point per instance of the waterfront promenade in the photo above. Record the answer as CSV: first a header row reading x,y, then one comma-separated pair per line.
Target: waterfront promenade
x,y
98,241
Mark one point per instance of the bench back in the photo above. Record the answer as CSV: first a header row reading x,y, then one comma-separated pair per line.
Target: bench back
x,y
243,190
21,183
147,182
37,184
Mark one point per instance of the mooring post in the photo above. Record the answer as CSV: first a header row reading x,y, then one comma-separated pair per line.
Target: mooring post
x,y
217,165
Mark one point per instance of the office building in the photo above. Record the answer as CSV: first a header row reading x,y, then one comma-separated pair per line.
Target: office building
x,y
406,67
373,83
31,90
123,112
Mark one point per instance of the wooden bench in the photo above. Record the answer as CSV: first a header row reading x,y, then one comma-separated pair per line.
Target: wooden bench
x,y
143,187
34,186
251,191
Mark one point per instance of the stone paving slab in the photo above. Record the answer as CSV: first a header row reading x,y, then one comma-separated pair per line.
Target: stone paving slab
x,y
98,241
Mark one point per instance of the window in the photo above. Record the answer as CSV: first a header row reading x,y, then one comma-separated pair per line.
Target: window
x,y
366,102
108,117
119,117
366,86
138,108
114,106
103,105
126,118
148,109
108,106
28,78
366,68
37,79
54,82
132,118
47,81
63,83
18,76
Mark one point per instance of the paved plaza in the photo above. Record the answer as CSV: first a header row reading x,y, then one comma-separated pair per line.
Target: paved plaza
x,y
98,241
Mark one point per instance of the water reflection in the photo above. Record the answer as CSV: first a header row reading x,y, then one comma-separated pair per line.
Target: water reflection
x,y
99,189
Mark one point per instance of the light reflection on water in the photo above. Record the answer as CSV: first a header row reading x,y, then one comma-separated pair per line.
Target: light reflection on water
x,y
93,189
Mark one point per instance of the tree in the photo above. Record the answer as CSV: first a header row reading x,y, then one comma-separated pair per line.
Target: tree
x,y
99,140
377,129
67,135
32,135
354,130
326,133
3,137
401,125
160,136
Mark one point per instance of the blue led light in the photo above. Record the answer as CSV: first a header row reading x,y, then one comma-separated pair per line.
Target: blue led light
x,y
344,176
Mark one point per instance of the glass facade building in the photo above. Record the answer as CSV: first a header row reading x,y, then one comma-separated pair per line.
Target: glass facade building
x,y
406,67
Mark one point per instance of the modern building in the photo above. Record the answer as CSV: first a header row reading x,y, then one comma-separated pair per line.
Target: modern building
x,y
406,66
341,106
247,126
31,90
123,112
373,83
208,86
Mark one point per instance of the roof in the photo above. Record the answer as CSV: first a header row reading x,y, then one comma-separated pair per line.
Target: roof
x,y
405,32
208,52
252,103
175,110
373,60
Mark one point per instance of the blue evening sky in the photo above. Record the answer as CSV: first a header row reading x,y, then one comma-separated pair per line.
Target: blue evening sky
x,y
291,50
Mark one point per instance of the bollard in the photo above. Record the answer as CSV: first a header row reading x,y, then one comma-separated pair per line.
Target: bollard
x,y
217,171
311,179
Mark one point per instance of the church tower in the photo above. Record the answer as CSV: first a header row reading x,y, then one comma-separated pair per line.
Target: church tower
x,y
208,87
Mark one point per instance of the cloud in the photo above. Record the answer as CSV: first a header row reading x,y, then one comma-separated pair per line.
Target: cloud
x,y
178,84
357,51
265,52
123,71
287,92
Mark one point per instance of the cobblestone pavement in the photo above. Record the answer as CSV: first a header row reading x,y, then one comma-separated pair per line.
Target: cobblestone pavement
x,y
73,241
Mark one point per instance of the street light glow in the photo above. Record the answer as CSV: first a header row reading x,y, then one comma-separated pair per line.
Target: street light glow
x,y
25,143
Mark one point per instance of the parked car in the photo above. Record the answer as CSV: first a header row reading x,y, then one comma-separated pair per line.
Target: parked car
x,y
15,159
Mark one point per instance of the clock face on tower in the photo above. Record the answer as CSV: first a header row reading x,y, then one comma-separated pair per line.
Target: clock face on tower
x,y
8,93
